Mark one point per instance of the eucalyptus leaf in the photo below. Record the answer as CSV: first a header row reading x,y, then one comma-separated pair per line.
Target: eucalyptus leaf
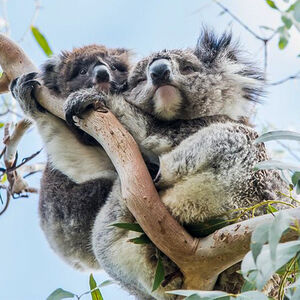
x,y
39,37
142,239
287,21
60,294
275,164
204,229
280,224
285,252
202,294
159,274
129,226
259,238
271,4
95,292
295,178
278,135
252,295
297,11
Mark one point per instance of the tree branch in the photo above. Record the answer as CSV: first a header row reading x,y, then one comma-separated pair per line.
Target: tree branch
x,y
200,260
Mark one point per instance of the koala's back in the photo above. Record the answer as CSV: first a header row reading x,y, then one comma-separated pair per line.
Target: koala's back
x,y
67,213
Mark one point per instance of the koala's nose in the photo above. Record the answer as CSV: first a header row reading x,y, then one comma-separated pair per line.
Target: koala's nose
x,y
160,71
101,73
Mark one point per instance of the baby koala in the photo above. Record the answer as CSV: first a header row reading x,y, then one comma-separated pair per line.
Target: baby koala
x,y
188,107
78,176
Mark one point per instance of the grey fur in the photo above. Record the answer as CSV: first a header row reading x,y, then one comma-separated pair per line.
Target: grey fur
x,y
78,177
204,144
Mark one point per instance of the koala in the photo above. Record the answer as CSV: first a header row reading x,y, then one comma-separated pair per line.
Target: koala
x,y
73,192
190,108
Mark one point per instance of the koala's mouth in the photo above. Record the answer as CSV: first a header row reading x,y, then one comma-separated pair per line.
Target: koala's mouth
x,y
103,86
167,101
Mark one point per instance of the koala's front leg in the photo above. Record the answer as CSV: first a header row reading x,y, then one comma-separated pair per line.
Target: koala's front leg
x,y
22,89
80,101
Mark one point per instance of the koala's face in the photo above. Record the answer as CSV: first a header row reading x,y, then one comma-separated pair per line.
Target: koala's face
x,y
85,67
188,84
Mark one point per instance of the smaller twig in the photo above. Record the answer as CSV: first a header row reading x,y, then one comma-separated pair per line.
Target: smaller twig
x,y
32,21
295,76
239,21
24,161
8,196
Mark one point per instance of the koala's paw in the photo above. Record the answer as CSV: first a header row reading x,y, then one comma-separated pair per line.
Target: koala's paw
x,y
79,102
22,89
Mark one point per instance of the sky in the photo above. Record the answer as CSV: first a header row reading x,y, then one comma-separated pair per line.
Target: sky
x,y
29,269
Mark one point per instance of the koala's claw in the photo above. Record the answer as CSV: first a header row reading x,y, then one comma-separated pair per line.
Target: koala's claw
x,y
22,89
157,177
79,102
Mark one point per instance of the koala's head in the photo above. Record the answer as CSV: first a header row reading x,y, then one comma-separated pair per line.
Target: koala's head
x,y
211,79
85,67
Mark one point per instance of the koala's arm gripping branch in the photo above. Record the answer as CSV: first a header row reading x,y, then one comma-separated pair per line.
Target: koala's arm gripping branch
x,y
200,260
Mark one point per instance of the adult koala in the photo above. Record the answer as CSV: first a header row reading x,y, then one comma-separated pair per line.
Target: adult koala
x,y
188,107
78,175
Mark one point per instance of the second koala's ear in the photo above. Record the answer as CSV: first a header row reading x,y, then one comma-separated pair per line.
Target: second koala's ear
x,y
125,55
50,73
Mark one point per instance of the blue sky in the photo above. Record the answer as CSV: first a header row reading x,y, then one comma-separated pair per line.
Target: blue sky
x,y
29,269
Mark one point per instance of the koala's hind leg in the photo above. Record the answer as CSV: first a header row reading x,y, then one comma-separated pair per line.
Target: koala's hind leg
x,y
133,266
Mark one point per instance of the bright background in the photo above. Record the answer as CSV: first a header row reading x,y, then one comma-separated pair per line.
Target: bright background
x,y
29,269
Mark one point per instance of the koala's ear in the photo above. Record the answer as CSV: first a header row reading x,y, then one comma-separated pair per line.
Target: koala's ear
x,y
50,73
210,47
125,55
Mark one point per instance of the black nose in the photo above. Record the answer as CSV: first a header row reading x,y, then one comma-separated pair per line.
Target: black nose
x,y
101,73
160,71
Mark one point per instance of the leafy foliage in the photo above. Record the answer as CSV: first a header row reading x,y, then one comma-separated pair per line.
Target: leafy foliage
x,y
41,40
262,262
290,17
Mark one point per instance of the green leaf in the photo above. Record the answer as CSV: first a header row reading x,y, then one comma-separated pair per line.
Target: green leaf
x,y
295,178
283,41
60,294
266,28
129,226
159,274
4,178
275,164
271,208
259,238
271,4
95,292
250,282
252,295
278,135
292,7
1,124
203,295
206,228
142,239
297,11
280,224
285,252
39,37
106,283
287,22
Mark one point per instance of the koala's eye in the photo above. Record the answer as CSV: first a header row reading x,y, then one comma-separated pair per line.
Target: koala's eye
x,y
83,71
113,68
140,80
188,69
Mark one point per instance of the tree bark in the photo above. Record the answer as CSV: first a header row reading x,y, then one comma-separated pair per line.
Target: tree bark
x,y
200,260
